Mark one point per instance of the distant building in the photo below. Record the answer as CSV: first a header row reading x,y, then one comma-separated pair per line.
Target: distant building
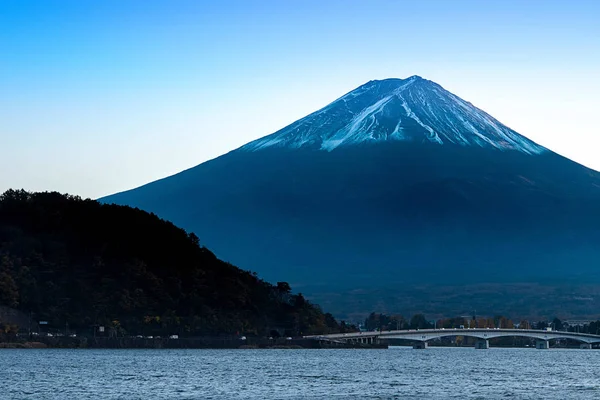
x,y
577,322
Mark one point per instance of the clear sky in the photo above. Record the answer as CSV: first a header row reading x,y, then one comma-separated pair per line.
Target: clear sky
x,y
101,96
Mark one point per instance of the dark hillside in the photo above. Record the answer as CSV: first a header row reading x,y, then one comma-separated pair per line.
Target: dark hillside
x,y
68,260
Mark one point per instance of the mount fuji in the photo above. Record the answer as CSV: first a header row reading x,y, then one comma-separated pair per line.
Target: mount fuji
x,y
398,196
411,110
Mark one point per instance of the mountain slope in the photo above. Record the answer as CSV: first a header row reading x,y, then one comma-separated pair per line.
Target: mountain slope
x,y
398,182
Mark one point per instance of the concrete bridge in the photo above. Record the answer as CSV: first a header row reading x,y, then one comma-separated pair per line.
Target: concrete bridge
x,y
423,336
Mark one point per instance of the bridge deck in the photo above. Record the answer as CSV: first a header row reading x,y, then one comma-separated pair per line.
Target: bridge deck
x,y
425,335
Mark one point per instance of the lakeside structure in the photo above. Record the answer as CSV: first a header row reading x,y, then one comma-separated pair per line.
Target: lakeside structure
x,y
422,337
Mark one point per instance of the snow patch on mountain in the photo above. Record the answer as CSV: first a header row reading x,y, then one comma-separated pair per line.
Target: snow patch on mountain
x,y
359,126
412,109
433,136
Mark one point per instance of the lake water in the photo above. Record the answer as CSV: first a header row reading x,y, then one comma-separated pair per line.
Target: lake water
x,y
434,373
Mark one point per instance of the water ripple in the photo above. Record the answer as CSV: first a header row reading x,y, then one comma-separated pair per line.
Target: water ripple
x,y
435,373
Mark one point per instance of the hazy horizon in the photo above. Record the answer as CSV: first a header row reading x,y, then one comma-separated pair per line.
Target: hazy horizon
x,y
98,98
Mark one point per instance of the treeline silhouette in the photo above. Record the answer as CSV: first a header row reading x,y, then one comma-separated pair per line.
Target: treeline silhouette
x,y
79,263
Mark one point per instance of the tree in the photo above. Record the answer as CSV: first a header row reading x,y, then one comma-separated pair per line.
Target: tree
x,y
9,292
418,321
300,301
541,325
481,323
557,324
194,238
284,287
397,322
524,325
372,322
376,321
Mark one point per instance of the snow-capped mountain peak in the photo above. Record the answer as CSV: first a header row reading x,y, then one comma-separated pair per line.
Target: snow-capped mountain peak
x,y
412,110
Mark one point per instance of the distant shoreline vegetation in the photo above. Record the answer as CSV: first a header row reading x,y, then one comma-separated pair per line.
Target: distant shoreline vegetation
x,y
81,267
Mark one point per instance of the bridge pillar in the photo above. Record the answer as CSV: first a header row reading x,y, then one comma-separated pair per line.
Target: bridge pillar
x,y
585,346
420,345
482,344
542,344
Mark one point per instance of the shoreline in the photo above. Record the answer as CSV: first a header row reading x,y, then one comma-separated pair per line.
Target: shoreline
x,y
299,345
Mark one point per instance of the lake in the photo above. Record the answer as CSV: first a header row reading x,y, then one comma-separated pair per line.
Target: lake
x,y
434,373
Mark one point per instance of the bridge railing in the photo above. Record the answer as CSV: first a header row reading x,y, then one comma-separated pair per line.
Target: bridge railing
x,y
486,333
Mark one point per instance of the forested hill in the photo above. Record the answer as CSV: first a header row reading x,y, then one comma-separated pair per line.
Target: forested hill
x,y
68,260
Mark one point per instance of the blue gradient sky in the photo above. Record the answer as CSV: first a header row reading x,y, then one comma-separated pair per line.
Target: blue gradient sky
x,y
102,96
